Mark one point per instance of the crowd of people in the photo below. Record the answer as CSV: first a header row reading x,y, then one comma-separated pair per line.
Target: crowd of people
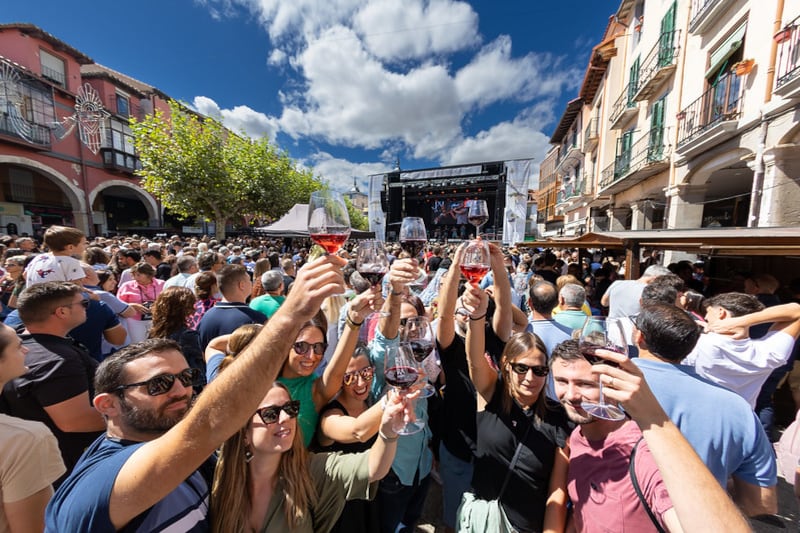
x,y
181,384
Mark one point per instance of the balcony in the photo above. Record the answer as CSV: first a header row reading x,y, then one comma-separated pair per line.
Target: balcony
x,y
120,161
20,129
624,108
646,157
574,190
592,135
570,156
712,118
54,75
787,70
706,12
659,64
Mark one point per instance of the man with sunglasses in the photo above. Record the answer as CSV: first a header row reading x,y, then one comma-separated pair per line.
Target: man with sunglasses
x,y
146,472
57,388
599,481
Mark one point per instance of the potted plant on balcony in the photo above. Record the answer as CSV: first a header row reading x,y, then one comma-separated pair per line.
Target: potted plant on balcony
x,y
743,67
783,35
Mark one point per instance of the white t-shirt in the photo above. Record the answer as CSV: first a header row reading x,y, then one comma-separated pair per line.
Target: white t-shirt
x,y
49,267
741,365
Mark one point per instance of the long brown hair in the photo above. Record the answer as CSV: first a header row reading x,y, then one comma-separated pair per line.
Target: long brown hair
x,y
517,345
231,492
170,311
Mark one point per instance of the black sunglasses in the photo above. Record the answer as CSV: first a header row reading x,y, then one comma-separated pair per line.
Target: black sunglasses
x,y
271,413
302,347
366,373
521,369
162,383
84,303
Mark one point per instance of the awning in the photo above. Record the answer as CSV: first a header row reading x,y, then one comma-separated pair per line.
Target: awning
x,y
726,49
781,241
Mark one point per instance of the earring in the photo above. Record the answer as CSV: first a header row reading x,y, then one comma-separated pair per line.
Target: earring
x,y
248,454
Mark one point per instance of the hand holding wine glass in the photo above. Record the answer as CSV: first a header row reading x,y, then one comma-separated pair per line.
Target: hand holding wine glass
x,y
602,333
413,237
400,371
328,221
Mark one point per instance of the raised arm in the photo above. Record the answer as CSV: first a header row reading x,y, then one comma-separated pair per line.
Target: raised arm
x,y
399,410
786,318
403,272
502,320
326,387
448,296
482,374
226,404
339,427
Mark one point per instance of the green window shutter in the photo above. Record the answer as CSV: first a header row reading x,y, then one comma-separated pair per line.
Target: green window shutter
x,y
667,39
633,84
655,148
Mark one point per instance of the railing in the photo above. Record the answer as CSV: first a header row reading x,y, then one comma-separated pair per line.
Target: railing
x,y
699,10
35,133
623,103
719,103
663,55
788,67
54,75
649,149
591,134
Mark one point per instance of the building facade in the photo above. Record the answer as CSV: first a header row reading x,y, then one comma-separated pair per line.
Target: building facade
x,y
687,118
66,150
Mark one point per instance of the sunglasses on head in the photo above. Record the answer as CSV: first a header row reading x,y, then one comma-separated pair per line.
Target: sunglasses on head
x,y
366,374
162,383
522,369
271,413
302,347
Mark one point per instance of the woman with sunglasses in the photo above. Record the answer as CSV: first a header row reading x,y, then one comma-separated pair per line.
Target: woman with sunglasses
x,y
313,391
520,460
348,424
265,480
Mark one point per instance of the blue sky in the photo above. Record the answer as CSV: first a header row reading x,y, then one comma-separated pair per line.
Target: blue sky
x,y
348,86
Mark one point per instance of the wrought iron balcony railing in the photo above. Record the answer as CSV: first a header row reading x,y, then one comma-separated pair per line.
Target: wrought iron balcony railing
x,y
721,102
624,105
649,150
659,63
788,67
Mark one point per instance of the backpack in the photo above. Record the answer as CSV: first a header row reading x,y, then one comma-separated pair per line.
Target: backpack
x,y
788,450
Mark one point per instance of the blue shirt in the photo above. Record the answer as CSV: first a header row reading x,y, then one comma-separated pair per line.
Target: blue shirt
x,y
81,503
224,318
413,452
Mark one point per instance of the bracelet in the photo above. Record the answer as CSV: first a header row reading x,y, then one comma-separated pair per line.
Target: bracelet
x,y
393,293
352,325
384,438
478,317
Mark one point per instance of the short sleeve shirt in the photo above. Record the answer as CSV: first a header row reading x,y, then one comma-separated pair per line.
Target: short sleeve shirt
x,y
49,267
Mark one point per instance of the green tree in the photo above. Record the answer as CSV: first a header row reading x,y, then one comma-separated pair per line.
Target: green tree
x,y
357,219
198,168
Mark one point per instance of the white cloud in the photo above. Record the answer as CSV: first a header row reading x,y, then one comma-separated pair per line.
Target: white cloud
x,y
277,57
239,119
404,29
351,98
340,172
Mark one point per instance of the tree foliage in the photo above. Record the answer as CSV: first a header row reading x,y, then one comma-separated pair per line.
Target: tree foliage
x,y
196,167
357,219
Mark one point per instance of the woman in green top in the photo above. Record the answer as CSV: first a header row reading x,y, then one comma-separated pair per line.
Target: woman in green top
x,y
266,481
314,392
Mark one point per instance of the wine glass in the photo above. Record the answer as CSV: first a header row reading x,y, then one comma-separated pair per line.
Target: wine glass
x,y
328,221
478,215
418,333
372,262
476,261
607,334
400,371
413,237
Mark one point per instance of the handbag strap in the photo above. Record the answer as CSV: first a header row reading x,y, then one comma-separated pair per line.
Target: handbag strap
x,y
632,470
513,462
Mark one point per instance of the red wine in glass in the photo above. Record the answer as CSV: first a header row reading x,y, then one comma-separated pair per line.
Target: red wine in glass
x,y
372,276
474,273
330,241
413,246
478,220
589,352
421,349
401,377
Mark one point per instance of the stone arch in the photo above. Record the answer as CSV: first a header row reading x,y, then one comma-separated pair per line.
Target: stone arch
x,y
73,193
702,168
149,202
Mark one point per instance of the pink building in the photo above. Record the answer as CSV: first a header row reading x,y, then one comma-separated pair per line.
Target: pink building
x,y
86,177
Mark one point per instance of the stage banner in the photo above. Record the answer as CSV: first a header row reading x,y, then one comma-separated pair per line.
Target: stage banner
x,y
518,176
377,218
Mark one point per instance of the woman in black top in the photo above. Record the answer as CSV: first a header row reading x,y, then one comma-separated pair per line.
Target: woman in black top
x,y
512,414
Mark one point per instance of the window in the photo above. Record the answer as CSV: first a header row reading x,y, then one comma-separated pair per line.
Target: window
x,y
123,105
53,68
118,149
37,104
